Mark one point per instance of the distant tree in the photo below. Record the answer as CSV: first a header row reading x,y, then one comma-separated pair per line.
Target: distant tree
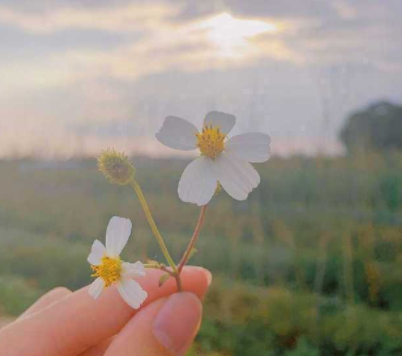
x,y
378,127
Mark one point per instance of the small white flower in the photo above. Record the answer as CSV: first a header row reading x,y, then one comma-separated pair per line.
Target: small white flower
x,y
109,268
225,161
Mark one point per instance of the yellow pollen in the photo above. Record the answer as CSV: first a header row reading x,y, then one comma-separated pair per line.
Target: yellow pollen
x,y
109,270
211,141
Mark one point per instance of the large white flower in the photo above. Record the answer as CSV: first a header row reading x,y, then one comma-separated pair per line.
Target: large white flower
x,y
222,160
110,269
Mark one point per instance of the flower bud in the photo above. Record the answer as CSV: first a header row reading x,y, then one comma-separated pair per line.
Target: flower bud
x,y
218,189
116,167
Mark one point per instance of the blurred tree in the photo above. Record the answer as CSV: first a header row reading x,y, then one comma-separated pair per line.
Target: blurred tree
x,y
378,127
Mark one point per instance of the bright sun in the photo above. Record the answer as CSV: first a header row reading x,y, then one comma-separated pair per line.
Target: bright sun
x,y
231,34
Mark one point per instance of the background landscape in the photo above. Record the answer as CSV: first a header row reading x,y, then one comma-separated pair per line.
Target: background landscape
x,y
311,264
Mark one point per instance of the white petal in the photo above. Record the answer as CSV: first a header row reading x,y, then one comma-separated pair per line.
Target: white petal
x,y
198,182
178,133
117,234
133,269
132,292
226,122
96,288
252,147
98,250
238,177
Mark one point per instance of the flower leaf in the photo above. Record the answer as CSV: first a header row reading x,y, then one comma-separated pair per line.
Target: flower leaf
x,y
163,279
192,253
152,262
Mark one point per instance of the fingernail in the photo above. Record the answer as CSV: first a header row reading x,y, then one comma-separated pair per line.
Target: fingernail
x,y
178,322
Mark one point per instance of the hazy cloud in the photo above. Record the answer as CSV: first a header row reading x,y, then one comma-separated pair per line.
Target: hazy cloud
x,y
78,74
127,18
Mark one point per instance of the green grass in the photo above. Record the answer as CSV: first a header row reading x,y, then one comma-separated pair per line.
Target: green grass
x,y
309,265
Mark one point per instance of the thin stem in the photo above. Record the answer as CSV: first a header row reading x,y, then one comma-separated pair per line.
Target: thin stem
x,y
167,270
194,238
162,267
154,228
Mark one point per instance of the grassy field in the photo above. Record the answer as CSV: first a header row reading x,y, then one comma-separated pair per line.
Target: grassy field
x,y
311,264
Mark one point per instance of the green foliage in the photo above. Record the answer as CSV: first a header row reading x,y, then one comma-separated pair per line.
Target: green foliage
x,y
245,320
16,294
311,262
47,263
304,348
378,127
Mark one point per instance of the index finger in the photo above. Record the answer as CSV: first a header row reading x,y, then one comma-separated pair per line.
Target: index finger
x,y
78,322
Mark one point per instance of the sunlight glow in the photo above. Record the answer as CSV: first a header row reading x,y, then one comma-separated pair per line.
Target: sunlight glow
x,y
231,34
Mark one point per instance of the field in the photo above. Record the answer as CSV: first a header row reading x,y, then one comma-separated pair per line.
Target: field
x,y
311,264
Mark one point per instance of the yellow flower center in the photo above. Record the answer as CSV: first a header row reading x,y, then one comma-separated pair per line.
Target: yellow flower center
x,y
109,270
211,141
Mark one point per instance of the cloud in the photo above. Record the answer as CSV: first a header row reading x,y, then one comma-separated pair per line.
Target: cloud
x,y
345,10
218,41
215,42
81,74
131,17
190,47
24,77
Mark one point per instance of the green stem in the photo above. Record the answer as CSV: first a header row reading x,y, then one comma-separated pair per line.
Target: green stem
x,y
160,267
154,228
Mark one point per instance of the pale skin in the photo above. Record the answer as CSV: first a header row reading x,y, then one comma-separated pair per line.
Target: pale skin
x,y
65,323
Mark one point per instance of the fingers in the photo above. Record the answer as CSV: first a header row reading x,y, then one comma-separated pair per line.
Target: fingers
x,y
49,298
98,350
78,322
165,327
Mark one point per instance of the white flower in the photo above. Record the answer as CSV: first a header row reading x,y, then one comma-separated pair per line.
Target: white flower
x,y
109,268
222,160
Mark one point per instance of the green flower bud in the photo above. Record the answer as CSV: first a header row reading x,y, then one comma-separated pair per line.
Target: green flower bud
x,y
116,167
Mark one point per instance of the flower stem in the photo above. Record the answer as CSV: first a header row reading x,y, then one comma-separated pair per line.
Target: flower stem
x,y
163,268
194,239
154,229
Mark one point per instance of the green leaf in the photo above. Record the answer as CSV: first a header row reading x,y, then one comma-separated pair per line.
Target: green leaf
x,y
163,279
152,261
192,253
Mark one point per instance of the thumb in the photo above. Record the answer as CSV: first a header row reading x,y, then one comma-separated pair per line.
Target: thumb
x,y
165,327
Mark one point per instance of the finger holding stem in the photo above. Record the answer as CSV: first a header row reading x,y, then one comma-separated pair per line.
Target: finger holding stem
x,y
187,253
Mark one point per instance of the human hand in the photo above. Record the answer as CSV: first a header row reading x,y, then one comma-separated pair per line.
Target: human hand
x,y
63,323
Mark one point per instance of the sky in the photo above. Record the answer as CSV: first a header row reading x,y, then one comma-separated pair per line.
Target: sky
x,y
78,76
